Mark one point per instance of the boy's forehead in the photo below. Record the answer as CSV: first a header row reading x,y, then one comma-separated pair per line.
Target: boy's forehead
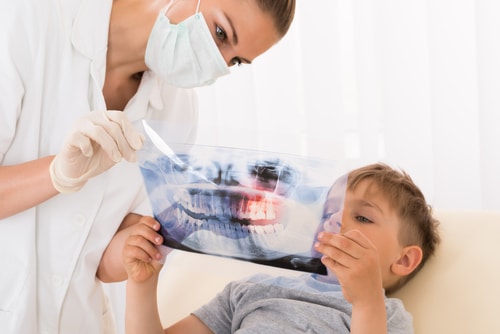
x,y
336,195
338,189
369,193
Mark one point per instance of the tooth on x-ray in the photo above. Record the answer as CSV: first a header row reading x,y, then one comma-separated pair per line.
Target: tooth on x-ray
x,y
256,206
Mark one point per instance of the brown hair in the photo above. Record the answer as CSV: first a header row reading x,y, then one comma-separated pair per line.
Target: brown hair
x,y
282,11
418,226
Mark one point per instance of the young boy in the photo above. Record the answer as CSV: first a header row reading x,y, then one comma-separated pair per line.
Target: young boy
x,y
387,234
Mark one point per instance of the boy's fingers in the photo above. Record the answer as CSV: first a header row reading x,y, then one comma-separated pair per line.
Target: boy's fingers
x,y
164,251
147,229
339,248
143,244
331,263
136,253
152,236
359,238
151,222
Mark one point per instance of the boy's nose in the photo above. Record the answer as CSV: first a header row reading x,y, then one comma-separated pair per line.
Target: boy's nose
x,y
334,223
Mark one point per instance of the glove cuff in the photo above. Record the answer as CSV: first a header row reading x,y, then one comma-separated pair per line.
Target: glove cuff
x,y
64,184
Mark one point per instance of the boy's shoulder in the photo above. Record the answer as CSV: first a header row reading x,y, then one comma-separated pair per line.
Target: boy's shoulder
x,y
297,300
313,284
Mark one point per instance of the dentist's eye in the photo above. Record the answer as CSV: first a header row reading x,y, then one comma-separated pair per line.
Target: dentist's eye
x,y
236,61
220,33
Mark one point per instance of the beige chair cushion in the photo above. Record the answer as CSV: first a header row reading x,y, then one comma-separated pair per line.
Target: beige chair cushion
x,y
458,291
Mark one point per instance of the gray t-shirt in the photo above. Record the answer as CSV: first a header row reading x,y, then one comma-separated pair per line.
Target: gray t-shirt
x,y
264,304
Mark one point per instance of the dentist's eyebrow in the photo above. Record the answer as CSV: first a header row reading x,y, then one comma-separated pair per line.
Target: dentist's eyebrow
x,y
235,35
235,38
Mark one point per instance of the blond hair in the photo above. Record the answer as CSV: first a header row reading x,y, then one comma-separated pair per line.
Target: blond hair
x,y
282,12
418,226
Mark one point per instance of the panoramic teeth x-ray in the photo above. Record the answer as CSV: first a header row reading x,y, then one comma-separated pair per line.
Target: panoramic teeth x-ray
x,y
250,205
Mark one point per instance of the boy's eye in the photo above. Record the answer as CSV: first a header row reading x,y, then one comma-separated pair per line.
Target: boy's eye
x,y
326,216
362,219
221,34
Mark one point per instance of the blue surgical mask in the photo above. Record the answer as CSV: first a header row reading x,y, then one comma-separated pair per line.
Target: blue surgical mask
x,y
184,55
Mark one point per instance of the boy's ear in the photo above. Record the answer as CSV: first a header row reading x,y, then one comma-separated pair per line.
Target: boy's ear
x,y
410,258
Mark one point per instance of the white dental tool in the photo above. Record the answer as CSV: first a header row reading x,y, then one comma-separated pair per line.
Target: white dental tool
x,y
165,149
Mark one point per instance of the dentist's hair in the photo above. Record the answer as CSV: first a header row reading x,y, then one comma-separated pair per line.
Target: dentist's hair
x,y
282,12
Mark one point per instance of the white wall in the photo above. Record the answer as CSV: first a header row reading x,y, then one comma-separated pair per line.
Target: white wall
x,y
415,83
411,83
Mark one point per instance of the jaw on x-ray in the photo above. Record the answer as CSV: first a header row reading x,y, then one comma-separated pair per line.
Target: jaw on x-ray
x,y
250,205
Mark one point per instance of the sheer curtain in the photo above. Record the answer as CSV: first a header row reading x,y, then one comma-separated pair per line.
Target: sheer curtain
x,y
415,84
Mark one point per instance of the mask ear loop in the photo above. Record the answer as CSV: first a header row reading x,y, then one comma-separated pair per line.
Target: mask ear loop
x,y
167,7
172,1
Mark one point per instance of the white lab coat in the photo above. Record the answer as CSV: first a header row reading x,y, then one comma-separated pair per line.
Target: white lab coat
x,y
52,68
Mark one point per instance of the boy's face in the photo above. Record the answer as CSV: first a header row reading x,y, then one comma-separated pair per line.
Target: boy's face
x,y
366,209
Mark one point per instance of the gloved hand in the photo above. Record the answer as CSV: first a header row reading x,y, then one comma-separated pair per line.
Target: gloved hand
x,y
97,142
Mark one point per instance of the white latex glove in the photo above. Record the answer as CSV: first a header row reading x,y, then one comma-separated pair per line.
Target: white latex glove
x,y
97,142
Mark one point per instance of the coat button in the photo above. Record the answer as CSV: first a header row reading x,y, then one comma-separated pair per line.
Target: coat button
x,y
57,280
79,219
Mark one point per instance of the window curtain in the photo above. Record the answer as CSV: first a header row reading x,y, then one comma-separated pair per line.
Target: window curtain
x,y
415,84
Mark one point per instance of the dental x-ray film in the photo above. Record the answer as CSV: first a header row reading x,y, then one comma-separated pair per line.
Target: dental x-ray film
x,y
256,206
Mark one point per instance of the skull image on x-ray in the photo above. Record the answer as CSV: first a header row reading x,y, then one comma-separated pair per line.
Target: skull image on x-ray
x,y
243,204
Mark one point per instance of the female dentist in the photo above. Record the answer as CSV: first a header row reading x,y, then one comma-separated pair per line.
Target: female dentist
x,y
66,177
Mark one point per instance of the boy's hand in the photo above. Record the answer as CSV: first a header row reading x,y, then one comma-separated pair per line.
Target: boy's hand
x,y
140,254
355,262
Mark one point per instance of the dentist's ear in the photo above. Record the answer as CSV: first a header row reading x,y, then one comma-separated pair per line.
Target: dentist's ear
x,y
410,258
